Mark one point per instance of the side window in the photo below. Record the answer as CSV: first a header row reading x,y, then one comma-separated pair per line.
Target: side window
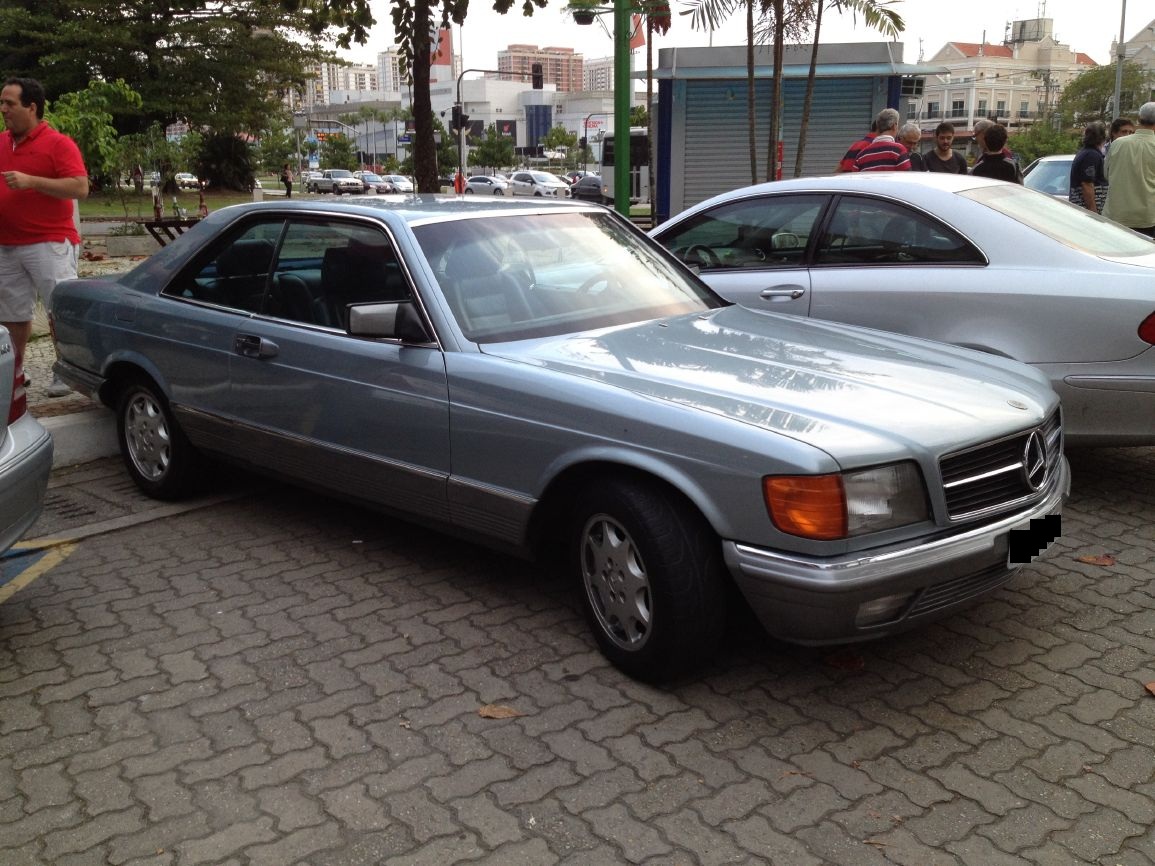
x,y
878,232
766,232
323,267
237,272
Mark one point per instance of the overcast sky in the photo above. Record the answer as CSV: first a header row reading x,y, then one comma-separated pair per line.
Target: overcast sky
x,y
1087,27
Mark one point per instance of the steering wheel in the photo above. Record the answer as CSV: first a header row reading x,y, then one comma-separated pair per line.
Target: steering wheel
x,y
601,278
703,254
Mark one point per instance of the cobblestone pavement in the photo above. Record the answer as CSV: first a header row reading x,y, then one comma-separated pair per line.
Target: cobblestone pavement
x,y
274,678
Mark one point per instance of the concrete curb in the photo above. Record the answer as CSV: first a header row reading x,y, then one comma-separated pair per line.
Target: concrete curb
x,y
81,437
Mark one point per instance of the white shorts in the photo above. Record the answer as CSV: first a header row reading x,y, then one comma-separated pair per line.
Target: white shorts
x,y
28,270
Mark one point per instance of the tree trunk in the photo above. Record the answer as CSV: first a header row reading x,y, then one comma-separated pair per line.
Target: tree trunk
x,y
424,147
751,115
776,100
809,99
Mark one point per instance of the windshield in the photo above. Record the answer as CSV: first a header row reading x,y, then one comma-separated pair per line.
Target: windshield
x,y
545,177
396,178
1074,226
538,275
369,176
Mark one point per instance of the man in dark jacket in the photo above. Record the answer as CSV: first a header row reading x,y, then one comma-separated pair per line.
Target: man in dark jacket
x,y
994,163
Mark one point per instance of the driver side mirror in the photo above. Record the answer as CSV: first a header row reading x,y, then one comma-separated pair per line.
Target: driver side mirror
x,y
397,320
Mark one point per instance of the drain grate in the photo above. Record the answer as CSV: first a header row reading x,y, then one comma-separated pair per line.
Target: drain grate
x,y
66,506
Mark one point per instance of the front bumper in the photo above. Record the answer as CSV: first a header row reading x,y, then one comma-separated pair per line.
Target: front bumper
x,y
811,600
25,464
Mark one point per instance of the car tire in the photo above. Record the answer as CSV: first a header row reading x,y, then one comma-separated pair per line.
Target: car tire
x,y
468,191
651,578
158,456
498,192
336,190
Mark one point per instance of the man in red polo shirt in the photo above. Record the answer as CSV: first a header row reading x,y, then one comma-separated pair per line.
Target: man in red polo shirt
x,y
41,172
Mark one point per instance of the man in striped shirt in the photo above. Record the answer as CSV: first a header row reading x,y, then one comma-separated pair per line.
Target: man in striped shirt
x,y
885,153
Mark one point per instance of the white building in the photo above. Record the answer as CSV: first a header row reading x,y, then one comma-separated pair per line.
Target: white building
x,y
1017,82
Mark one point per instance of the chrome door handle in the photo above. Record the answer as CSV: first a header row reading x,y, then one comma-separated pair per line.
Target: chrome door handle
x,y
792,293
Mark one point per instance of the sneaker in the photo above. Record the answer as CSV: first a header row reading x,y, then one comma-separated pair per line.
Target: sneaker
x,y
57,388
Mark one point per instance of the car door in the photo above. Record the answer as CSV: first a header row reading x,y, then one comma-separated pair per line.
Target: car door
x,y
521,183
884,264
366,417
753,251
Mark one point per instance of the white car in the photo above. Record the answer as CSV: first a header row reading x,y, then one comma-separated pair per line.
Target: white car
x,y
1050,174
960,259
485,185
185,180
400,182
538,183
25,452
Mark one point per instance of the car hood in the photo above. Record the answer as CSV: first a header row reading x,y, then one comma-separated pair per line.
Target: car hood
x,y
860,395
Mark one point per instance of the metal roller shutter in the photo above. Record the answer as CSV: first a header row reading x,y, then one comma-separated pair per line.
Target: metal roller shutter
x,y
716,153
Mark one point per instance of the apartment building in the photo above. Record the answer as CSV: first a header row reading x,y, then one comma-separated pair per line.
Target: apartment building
x,y
561,67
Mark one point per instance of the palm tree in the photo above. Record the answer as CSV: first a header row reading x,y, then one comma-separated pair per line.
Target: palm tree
x,y
875,15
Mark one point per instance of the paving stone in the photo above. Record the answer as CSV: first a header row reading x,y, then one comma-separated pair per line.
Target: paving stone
x,y
759,838
1023,828
231,840
635,839
686,829
355,809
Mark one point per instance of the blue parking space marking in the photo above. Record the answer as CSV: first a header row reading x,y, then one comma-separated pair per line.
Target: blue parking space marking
x,y
25,562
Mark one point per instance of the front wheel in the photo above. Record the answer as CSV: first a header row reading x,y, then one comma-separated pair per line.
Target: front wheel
x,y
160,460
651,577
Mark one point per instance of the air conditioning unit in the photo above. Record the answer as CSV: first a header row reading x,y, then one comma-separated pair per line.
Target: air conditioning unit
x,y
912,86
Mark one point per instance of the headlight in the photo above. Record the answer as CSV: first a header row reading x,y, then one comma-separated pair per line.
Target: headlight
x,y
828,507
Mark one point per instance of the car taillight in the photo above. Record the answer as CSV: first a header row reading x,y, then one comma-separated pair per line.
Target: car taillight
x,y
1147,330
19,404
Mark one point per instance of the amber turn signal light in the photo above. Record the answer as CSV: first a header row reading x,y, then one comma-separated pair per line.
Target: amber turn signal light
x,y
810,506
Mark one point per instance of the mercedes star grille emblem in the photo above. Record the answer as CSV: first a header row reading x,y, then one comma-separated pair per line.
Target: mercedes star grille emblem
x,y
1035,461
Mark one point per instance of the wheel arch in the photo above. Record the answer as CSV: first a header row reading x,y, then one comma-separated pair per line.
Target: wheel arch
x,y
121,370
548,521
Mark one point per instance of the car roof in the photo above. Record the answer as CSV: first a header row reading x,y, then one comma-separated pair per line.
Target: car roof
x,y
411,209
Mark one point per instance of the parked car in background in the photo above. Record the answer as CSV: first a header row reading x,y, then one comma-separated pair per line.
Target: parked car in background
x,y
307,179
589,188
961,259
574,176
337,181
400,182
485,185
373,182
1050,175
185,180
25,451
539,377
538,183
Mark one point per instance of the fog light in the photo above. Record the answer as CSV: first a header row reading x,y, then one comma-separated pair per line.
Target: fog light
x,y
881,610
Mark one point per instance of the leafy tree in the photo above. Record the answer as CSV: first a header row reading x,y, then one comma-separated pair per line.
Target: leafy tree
x,y
1042,139
276,147
337,152
226,161
224,65
639,116
559,138
1088,96
494,151
87,116
875,15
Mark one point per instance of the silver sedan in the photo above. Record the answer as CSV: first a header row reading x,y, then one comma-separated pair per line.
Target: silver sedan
x,y
973,262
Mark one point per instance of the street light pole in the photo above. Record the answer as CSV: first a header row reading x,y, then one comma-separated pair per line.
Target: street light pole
x,y
1121,55
623,88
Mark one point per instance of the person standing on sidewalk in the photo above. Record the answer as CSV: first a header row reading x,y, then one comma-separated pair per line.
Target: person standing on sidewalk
x,y
287,180
41,174
1131,174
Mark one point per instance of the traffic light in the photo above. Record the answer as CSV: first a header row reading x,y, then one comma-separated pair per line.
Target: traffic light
x,y
458,120
538,76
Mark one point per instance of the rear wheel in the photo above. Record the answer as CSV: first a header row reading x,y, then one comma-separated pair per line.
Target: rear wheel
x,y
160,460
651,578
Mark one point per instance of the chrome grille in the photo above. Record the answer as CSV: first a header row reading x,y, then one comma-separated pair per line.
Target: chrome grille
x,y
991,476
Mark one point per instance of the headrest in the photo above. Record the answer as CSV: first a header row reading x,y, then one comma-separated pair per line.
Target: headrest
x,y
246,258
352,268
471,261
